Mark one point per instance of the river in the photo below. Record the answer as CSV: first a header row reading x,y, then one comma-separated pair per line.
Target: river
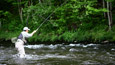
x,y
60,54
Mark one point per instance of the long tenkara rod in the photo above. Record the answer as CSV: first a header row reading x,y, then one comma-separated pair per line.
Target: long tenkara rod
x,y
50,15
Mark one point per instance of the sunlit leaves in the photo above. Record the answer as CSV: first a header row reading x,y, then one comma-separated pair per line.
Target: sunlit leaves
x,y
92,10
109,0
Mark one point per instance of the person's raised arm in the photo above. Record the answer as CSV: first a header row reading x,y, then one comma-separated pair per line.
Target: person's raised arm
x,y
34,32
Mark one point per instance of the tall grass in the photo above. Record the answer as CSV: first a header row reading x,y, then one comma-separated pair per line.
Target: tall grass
x,y
68,36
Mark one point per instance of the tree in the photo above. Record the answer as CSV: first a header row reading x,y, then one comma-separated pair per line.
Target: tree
x,y
0,24
20,8
104,6
109,13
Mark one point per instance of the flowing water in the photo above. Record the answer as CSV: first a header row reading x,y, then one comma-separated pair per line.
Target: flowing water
x,y
60,54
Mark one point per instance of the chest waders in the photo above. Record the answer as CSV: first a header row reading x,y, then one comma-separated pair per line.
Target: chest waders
x,y
19,45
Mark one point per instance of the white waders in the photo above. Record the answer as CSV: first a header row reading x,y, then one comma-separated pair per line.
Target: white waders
x,y
19,45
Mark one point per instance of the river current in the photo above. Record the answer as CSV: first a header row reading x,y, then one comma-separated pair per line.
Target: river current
x,y
60,54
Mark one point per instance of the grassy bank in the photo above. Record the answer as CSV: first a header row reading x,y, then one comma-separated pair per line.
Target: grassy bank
x,y
93,35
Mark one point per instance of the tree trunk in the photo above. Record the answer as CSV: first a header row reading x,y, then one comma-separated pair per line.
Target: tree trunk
x,y
104,7
28,14
31,2
0,24
20,10
21,14
109,15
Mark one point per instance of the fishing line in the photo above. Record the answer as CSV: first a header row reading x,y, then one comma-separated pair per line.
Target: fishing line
x,y
50,15
14,39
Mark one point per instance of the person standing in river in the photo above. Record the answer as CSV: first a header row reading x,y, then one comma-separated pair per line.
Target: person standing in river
x,y
19,45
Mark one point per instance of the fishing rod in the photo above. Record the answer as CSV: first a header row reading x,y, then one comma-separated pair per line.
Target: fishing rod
x,y
49,16
14,39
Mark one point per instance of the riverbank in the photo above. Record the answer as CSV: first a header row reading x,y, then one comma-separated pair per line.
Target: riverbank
x,y
91,36
8,42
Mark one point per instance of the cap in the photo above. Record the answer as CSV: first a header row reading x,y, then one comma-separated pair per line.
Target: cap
x,y
26,28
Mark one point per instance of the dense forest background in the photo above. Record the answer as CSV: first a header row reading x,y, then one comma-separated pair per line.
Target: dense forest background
x,y
71,20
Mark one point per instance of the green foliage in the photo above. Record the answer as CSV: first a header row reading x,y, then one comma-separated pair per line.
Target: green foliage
x,y
98,35
76,20
109,0
68,36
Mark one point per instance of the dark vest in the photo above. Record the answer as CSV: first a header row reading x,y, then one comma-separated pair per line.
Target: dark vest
x,y
20,36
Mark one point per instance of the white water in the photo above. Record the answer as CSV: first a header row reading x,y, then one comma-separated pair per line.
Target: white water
x,y
60,54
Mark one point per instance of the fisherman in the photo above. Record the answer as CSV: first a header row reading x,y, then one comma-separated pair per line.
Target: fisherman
x,y
19,45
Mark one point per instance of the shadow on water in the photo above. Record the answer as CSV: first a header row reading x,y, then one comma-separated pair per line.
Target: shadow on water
x,y
60,54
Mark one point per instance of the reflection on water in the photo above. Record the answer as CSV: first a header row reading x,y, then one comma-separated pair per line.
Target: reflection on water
x,y
60,54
